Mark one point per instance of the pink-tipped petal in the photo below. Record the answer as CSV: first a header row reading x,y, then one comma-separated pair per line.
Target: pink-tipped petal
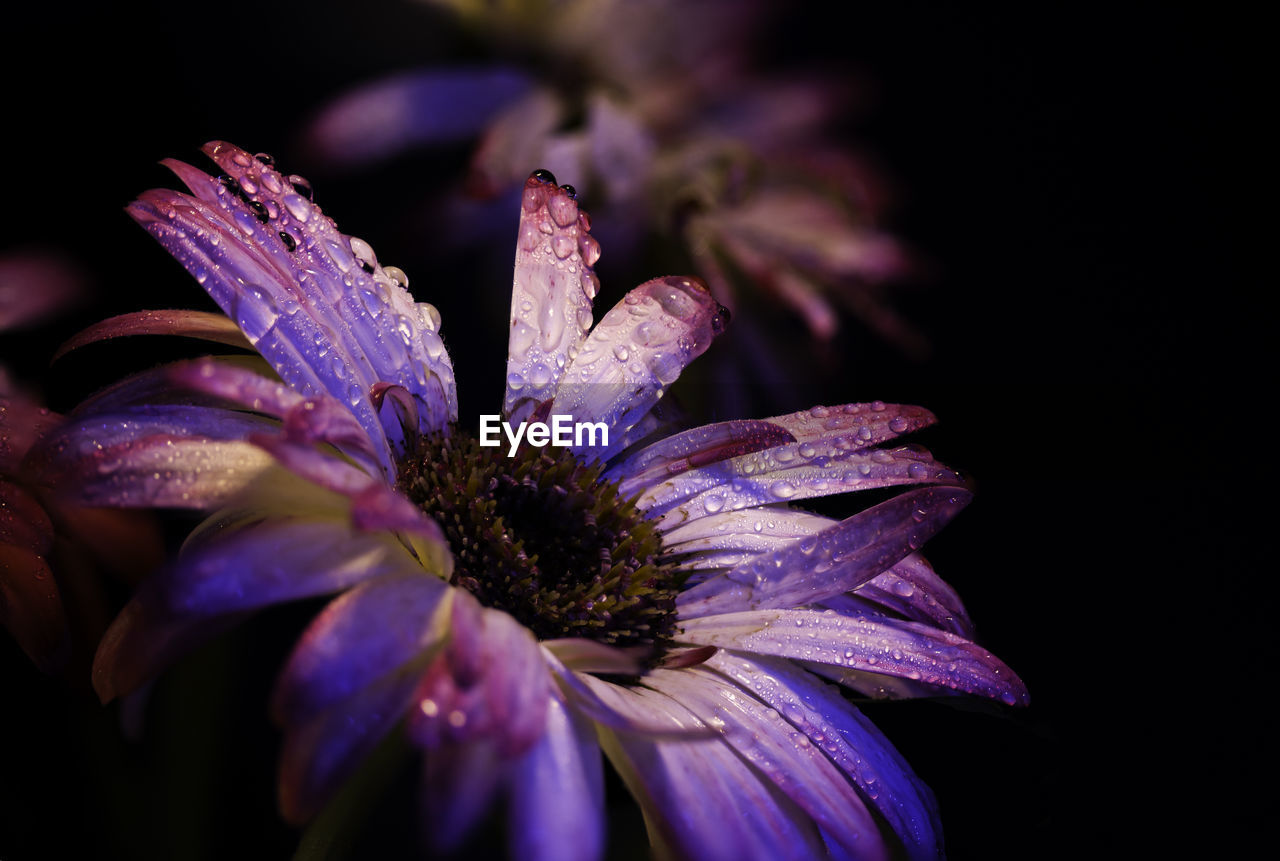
x,y
904,649
188,324
556,793
836,560
552,294
638,349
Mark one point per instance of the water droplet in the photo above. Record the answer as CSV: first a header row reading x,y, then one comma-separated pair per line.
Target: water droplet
x,y
713,504
782,489
515,382
297,206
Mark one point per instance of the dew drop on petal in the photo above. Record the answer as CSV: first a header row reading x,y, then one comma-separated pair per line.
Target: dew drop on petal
x,y
782,489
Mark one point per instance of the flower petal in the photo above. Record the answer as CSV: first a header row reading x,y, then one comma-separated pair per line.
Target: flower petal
x,y
700,800
375,628
692,449
906,649
831,562
190,324
167,456
551,296
213,582
556,792
429,106
912,589
790,472
31,607
852,742
858,425
636,351
782,753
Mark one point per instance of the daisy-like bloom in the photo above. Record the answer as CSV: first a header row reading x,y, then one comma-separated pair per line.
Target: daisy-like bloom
x,y
656,110
520,612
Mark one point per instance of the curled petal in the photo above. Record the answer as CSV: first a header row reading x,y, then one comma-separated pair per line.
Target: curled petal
x,y
904,649
552,293
636,351
833,561
189,324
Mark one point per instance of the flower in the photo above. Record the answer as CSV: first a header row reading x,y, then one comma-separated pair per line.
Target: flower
x,y
658,113
517,611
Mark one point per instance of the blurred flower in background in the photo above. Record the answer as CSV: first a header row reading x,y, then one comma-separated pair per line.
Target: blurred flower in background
x,y
685,149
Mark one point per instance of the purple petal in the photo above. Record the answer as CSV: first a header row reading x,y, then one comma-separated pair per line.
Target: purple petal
x,y
385,118
491,684
556,793
636,351
699,798
692,449
849,740
167,456
190,324
36,285
745,533
912,590
858,425
551,297
459,786
835,560
320,755
782,753
611,706
375,628
230,571
22,422
906,649
789,473
516,139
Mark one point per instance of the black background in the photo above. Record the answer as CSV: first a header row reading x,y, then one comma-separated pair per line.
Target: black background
x,y
1078,177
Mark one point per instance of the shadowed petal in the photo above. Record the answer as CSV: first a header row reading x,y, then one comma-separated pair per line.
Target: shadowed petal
x,y
190,324
31,607
214,582
377,627
912,590
907,649
782,753
459,784
556,793
430,106
636,351
167,456
551,297
831,562
700,800
832,724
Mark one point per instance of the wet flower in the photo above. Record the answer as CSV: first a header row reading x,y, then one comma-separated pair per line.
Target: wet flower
x,y
519,612
658,113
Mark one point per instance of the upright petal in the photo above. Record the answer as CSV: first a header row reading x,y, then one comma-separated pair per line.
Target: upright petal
x,y
551,296
636,351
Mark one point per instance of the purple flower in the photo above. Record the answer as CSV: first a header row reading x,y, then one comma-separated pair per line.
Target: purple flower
x,y
516,610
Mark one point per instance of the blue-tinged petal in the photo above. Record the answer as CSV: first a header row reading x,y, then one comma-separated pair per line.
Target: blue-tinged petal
x,y
833,725
165,456
610,705
636,351
320,754
460,782
699,798
750,531
784,754
836,560
189,324
790,472
906,649
377,627
692,449
253,564
394,114
551,297
490,684
912,589
556,793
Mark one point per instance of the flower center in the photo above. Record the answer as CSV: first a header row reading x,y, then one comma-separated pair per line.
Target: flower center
x,y
543,537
